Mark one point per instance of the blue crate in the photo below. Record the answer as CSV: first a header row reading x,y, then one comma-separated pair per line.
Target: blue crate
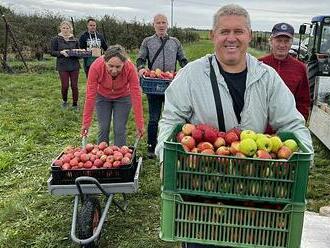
x,y
154,86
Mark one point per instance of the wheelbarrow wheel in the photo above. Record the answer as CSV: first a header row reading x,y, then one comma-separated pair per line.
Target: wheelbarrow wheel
x,y
87,220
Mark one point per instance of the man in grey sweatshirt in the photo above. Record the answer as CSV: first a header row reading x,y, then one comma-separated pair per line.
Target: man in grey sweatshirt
x,y
165,61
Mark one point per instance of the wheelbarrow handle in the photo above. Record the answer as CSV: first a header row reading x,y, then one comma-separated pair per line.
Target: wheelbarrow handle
x,y
83,141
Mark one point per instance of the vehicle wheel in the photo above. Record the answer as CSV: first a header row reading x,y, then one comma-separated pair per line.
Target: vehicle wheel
x,y
87,220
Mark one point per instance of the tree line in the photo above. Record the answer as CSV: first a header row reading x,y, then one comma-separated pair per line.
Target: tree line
x,y
34,32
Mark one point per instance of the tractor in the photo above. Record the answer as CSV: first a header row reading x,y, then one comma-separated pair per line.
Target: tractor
x,y
318,64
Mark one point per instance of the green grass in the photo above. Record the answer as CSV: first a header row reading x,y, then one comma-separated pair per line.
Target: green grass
x,y
34,130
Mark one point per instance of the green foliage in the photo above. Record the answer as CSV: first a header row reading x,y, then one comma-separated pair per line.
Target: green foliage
x,y
34,32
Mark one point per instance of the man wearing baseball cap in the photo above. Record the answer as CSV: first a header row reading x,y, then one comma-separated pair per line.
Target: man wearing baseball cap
x,y
292,71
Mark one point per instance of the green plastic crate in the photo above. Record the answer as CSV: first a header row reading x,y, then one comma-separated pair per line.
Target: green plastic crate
x,y
228,225
280,181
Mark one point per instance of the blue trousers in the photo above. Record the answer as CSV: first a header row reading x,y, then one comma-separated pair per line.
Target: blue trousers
x,y
155,103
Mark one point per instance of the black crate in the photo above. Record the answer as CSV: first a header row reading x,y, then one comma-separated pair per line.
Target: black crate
x,y
154,86
103,175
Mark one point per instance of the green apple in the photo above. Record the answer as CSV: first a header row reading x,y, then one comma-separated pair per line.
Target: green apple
x,y
248,134
259,135
264,143
292,144
248,147
276,143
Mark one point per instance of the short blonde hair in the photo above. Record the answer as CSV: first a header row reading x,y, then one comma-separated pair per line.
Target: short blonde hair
x,y
67,23
231,9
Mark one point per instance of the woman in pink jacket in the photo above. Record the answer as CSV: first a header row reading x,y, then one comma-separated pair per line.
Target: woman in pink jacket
x,y
113,88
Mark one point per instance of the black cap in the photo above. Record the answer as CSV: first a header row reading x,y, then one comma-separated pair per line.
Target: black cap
x,y
283,29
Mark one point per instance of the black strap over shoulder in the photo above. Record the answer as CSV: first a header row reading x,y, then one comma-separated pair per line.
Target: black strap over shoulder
x,y
217,99
158,52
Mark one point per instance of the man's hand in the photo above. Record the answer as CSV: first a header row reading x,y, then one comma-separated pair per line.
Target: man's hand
x,y
141,71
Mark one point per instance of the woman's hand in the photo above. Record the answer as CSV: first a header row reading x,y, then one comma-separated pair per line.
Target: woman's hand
x,y
84,132
141,71
140,132
64,53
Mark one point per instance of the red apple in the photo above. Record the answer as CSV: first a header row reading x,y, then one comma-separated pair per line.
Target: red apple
x,y
263,154
108,151
197,134
208,151
179,136
219,142
223,150
187,128
210,135
74,162
66,166
205,145
116,164
234,147
188,141
118,156
231,137
84,157
103,145
89,147
58,162
125,161
284,152
88,164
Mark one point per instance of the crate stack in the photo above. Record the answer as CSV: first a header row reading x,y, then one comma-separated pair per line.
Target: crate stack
x,y
231,201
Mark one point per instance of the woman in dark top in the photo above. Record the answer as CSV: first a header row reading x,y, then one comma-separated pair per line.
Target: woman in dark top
x,y
67,66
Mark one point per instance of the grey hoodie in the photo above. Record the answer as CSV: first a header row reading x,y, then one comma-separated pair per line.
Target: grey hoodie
x,y
267,99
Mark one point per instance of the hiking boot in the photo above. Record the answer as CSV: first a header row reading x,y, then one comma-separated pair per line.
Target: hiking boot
x,y
64,105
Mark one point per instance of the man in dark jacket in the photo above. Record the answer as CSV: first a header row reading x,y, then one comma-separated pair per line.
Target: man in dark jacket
x,y
166,61
292,71
91,40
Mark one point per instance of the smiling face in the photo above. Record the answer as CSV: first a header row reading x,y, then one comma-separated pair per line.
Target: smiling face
x,y
114,66
160,25
231,37
280,46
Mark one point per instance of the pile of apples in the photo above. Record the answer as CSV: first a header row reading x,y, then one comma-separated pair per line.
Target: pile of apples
x,y
158,73
94,157
206,139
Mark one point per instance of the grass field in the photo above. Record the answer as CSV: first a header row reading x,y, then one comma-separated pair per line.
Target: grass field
x,y
34,130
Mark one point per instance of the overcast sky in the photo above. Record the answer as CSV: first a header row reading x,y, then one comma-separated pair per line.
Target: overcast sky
x,y
187,13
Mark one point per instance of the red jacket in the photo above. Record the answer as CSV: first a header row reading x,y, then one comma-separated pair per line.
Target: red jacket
x,y
294,74
100,82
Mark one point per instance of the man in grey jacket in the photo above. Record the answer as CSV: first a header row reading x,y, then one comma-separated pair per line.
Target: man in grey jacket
x,y
166,61
252,93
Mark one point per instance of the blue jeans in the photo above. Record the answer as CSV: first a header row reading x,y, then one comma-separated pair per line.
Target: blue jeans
x,y
118,109
155,103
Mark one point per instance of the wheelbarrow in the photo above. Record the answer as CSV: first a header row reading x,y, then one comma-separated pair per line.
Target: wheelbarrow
x,y
89,218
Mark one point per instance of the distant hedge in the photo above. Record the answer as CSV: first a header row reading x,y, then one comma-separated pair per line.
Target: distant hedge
x,y
34,32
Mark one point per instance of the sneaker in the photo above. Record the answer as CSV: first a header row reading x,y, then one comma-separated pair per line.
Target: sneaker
x,y
64,105
75,107
151,155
